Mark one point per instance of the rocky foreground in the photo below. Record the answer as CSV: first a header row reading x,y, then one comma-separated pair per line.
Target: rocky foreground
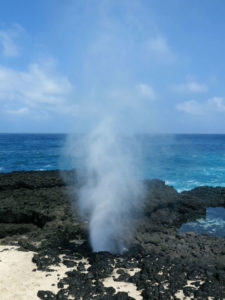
x,y
38,213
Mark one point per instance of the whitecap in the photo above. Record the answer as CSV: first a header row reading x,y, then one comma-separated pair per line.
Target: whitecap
x,y
168,182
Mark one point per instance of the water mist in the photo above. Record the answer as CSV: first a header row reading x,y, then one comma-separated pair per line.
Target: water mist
x,y
110,190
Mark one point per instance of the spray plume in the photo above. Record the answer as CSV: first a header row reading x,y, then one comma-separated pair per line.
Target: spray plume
x,y
110,191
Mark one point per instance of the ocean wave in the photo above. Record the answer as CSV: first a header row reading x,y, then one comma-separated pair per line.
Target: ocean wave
x,y
168,182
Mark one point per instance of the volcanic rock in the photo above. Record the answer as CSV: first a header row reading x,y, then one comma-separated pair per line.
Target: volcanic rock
x,y
37,213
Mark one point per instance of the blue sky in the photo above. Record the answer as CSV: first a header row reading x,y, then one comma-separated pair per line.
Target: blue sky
x,y
156,66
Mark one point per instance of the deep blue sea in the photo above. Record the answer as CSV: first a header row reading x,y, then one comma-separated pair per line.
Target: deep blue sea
x,y
184,161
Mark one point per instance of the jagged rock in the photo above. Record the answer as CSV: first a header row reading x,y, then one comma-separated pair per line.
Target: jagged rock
x,y
210,196
36,211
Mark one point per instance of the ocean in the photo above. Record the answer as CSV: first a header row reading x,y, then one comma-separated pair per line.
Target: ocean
x,y
183,161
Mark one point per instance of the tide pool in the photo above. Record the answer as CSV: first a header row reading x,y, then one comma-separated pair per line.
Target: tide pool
x,y
213,224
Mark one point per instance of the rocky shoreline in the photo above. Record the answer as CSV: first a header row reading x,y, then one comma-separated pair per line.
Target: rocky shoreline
x,y
38,213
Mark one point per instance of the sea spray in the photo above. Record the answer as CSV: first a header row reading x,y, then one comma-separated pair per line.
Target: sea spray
x,y
110,190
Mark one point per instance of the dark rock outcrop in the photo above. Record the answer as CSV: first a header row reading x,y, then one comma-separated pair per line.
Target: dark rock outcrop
x,y
210,196
36,212
36,206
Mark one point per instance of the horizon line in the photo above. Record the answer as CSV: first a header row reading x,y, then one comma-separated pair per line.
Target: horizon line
x,y
137,133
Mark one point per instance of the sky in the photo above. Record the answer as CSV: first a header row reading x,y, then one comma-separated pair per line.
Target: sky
x,y
156,66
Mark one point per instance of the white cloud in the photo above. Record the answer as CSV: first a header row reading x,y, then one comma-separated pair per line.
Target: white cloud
x,y
20,111
32,90
39,92
8,46
213,105
191,107
190,87
159,48
33,85
146,91
218,103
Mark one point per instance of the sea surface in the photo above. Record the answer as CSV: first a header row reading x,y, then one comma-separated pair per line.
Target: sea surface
x,y
183,161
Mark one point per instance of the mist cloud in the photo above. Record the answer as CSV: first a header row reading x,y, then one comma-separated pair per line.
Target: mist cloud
x,y
111,192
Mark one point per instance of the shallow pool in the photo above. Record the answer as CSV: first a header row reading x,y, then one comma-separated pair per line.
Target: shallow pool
x,y
213,224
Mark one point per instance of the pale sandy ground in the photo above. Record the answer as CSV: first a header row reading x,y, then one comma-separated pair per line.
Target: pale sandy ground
x,y
119,286
19,282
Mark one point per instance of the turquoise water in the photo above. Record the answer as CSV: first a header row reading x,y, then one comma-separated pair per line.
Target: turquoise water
x,y
184,161
213,224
